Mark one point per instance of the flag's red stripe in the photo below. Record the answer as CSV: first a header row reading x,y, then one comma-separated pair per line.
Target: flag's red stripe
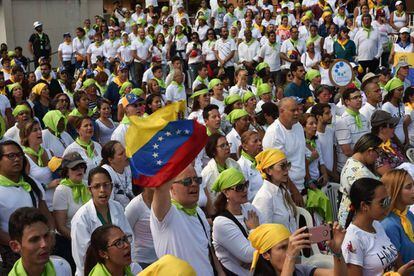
x,y
183,156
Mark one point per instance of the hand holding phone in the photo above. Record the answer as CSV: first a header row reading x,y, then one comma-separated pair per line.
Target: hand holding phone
x,y
320,233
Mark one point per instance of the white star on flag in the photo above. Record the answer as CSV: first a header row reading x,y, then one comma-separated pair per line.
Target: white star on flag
x,y
155,146
155,155
178,131
160,138
159,162
187,131
168,133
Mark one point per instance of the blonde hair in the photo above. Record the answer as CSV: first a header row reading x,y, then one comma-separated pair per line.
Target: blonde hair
x,y
26,130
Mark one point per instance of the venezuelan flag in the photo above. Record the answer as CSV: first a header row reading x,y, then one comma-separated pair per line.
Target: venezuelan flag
x,y
160,146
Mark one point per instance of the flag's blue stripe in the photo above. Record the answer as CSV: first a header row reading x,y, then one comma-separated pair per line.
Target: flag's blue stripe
x,y
147,159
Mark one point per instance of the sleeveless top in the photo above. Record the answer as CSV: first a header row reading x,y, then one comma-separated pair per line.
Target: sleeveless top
x,y
399,21
104,131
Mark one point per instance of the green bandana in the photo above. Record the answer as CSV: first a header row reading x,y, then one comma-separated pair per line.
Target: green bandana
x,y
88,146
51,120
368,30
5,182
124,86
100,270
180,86
311,142
312,39
37,154
227,179
79,190
248,43
161,83
356,116
20,108
18,269
203,81
236,114
221,168
76,113
248,157
188,211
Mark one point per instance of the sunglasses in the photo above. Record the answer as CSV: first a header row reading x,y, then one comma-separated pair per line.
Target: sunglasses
x,y
285,165
189,180
240,187
79,166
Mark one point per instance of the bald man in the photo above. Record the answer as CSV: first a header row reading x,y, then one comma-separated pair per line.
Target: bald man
x,y
287,135
374,99
178,226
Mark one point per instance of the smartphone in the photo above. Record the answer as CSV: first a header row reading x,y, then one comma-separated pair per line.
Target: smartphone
x,y
320,233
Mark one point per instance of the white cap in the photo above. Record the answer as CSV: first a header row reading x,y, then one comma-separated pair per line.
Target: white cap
x,y
405,30
353,64
37,24
285,5
398,3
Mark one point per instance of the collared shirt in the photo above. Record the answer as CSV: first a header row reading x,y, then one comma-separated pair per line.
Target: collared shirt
x,y
110,47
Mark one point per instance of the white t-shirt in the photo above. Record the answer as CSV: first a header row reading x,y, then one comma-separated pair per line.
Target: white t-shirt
x,y
271,54
142,48
367,110
252,175
397,112
63,201
122,184
287,46
292,143
325,142
138,215
174,93
95,51
224,49
374,252
55,144
183,236
4,104
67,51
234,139
231,246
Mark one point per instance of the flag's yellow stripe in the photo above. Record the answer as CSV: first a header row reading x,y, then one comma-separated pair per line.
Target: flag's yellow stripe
x,y
141,130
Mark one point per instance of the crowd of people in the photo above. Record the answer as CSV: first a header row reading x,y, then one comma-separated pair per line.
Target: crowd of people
x,y
281,135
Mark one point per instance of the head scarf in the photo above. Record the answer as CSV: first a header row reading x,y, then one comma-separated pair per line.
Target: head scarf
x,y
236,114
199,93
137,91
261,66
37,89
267,158
124,86
169,265
232,99
51,120
264,237
227,179
247,96
311,74
13,86
88,83
213,83
20,108
393,83
263,89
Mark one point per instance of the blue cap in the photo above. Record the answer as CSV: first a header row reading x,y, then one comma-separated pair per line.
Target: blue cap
x,y
130,99
122,66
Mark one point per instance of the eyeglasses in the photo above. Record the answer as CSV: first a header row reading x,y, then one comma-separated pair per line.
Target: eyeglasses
x,y
105,186
356,97
285,166
240,187
189,180
13,155
120,243
224,145
385,202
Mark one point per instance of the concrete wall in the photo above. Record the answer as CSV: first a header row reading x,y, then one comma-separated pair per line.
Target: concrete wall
x,y
58,17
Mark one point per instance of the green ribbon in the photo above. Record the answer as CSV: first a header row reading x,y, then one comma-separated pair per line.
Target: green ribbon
x,y
5,182
248,157
79,190
38,154
161,83
221,168
248,43
18,269
312,39
88,146
204,81
76,113
100,270
189,211
356,116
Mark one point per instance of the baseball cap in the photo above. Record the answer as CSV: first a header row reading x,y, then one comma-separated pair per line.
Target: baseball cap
x,y
405,30
37,24
72,159
369,76
398,3
381,117
122,66
130,99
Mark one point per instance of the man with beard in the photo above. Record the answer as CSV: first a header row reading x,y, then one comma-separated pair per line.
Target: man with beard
x,y
225,49
54,86
39,43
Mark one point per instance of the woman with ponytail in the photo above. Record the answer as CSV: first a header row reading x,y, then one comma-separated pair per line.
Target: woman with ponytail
x,y
399,223
367,250
109,253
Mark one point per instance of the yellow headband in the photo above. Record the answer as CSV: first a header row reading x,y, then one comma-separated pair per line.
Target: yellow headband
x,y
267,158
264,237
37,89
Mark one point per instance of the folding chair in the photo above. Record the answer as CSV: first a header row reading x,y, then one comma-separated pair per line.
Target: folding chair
x,y
331,190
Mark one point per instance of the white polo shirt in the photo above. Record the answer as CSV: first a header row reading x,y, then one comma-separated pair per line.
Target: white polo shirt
x,y
224,48
142,48
174,93
271,54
